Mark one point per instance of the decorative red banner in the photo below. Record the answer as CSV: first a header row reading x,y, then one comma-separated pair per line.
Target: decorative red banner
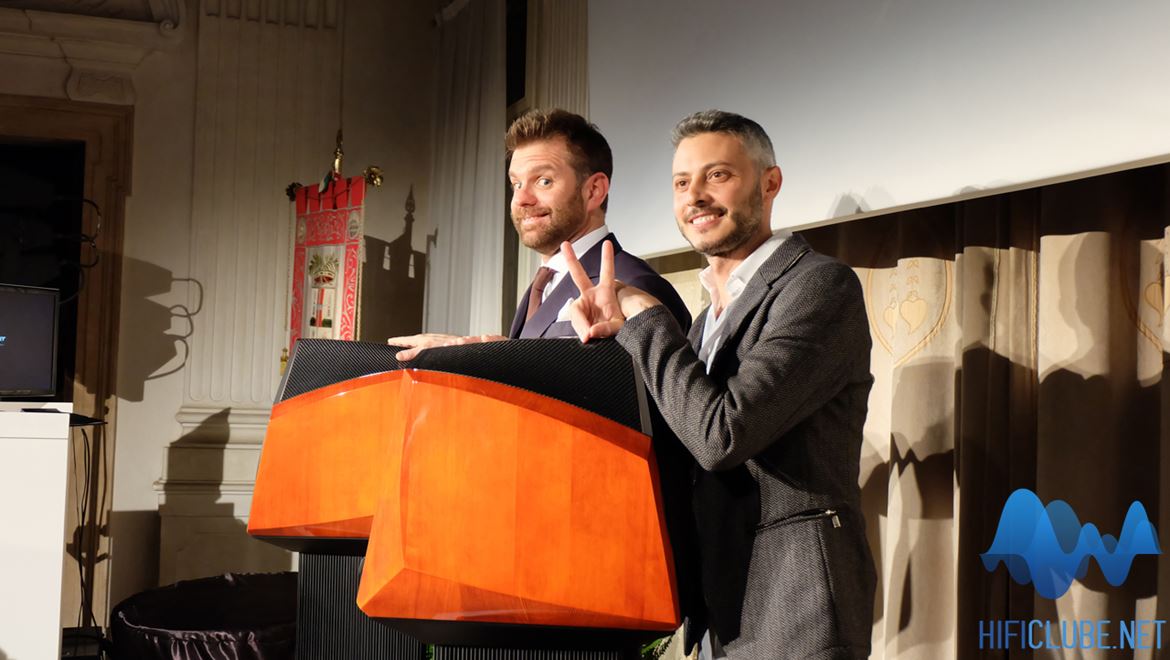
x,y
326,260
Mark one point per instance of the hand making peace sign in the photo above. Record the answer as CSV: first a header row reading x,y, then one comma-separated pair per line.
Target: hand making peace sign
x,y
602,308
596,313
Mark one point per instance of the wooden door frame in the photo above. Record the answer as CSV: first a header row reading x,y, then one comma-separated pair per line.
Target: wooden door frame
x,y
107,132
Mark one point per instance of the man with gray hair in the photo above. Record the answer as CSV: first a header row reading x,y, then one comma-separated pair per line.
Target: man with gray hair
x,y
769,395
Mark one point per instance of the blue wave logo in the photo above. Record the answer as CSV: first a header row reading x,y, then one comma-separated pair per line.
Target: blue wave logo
x,y
1048,546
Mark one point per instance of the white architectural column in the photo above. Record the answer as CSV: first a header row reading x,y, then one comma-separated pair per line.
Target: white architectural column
x,y
466,266
267,100
560,50
558,77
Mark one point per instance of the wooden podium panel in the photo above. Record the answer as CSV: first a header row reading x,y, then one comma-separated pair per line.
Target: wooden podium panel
x,y
505,506
324,459
486,509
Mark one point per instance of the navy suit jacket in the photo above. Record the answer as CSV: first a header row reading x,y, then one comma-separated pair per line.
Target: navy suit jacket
x,y
626,267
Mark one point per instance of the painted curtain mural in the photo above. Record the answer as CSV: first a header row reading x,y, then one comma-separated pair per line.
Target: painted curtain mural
x,y
1019,342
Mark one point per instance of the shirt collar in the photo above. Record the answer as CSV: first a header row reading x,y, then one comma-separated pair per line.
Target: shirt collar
x,y
580,247
743,273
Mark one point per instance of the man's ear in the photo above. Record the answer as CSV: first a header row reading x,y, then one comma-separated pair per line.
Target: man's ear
x,y
594,190
770,181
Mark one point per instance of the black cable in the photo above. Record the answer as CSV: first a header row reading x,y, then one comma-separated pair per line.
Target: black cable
x,y
98,211
80,284
97,256
86,607
95,534
92,242
103,495
85,615
77,544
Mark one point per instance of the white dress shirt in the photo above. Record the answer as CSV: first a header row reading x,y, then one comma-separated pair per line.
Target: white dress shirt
x,y
737,281
580,247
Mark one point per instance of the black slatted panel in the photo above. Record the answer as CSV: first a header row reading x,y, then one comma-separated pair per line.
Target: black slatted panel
x,y
598,376
329,624
457,653
316,363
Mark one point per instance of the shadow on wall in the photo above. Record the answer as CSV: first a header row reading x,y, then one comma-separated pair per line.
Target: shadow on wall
x,y
995,454
919,474
1100,433
201,534
160,332
393,284
141,528
1088,432
158,347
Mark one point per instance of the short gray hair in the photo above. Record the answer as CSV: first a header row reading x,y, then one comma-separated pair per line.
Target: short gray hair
x,y
750,134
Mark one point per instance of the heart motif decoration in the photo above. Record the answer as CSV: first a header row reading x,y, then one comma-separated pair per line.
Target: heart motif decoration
x,y
913,311
909,320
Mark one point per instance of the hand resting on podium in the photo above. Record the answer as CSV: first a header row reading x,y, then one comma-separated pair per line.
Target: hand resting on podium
x,y
416,344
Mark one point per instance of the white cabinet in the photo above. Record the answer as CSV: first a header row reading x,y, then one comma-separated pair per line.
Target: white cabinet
x,y
34,451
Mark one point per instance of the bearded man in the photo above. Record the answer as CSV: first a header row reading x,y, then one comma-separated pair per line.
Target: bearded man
x,y
768,394
559,169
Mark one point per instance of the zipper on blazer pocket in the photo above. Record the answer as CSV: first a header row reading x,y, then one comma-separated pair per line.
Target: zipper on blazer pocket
x,y
803,516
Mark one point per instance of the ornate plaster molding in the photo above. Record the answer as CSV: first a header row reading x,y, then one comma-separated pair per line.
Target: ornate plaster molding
x,y
102,53
219,425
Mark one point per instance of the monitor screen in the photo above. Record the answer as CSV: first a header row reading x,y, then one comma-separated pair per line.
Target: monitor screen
x,y
28,341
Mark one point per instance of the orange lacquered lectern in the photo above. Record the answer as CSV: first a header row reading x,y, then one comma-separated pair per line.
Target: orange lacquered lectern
x,y
494,495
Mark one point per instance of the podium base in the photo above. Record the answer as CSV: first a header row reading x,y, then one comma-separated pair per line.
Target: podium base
x,y
461,653
329,623
330,626
478,634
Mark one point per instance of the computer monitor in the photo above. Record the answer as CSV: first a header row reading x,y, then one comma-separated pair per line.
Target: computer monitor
x,y
28,341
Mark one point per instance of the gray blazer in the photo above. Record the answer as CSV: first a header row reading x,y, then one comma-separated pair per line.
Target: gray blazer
x,y
776,430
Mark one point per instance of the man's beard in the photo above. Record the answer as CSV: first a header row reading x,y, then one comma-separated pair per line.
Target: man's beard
x,y
564,221
745,224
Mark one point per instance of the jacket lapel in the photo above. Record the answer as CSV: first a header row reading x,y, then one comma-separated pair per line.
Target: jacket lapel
x,y
521,312
565,290
547,314
695,336
784,258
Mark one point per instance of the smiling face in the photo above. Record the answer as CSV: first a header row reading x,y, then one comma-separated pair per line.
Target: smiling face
x,y
722,199
549,203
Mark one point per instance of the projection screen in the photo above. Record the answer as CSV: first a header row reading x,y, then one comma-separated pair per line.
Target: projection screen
x,y
877,106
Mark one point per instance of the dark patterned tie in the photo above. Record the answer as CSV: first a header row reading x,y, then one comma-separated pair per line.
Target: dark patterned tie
x,y
535,296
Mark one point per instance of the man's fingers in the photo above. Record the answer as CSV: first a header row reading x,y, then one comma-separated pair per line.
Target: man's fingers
x,y
579,318
605,329
410,340
418,343
606,264
576,270
435,341
474,339
408,355
421,340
